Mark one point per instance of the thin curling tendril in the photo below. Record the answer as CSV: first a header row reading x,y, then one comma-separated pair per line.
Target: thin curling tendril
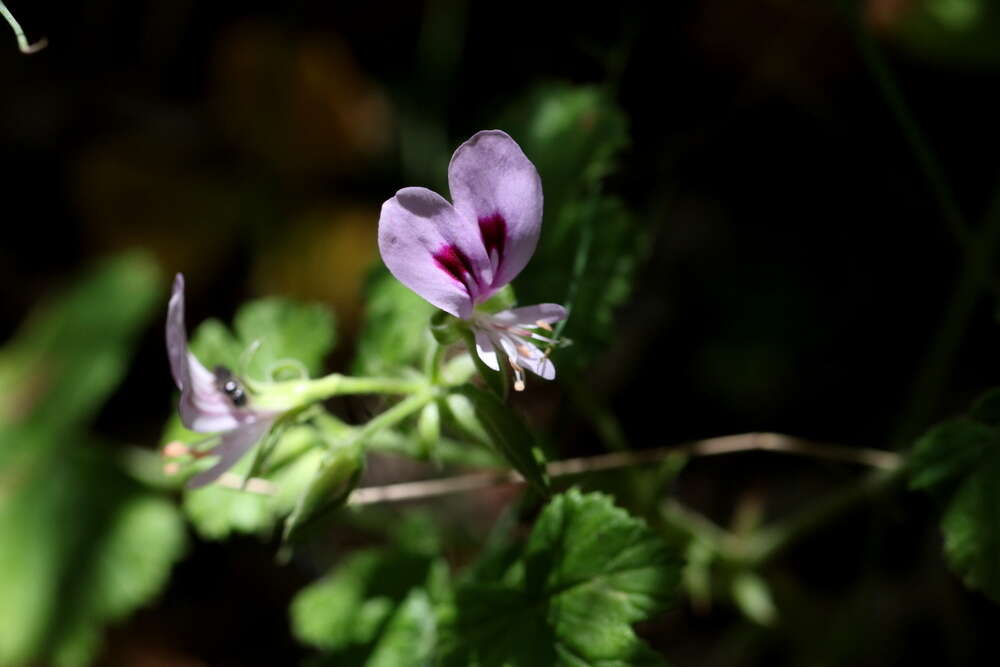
x,y
22,41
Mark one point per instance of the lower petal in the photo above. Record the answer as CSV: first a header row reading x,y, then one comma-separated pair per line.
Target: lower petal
x,y
534,360
486,350
234,445
530,316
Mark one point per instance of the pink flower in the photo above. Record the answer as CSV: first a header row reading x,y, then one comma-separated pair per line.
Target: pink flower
x,y
456,256
211,402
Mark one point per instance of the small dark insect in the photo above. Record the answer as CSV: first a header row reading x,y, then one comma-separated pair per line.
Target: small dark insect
x,y
227,383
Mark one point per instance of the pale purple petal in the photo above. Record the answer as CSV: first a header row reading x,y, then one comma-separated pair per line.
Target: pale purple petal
x,y
529,316
497,188
177,334
486,349
429,248
533,359
205,409
234,445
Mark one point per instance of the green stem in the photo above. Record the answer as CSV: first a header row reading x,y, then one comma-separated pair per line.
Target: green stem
x,y
678,517
433,366
300,392
394,415
939,360
919,146
766,543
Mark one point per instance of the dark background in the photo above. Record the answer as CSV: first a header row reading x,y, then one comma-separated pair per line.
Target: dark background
x,y
798,270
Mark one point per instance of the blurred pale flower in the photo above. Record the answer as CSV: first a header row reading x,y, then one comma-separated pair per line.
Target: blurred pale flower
x,y
211,402
456,256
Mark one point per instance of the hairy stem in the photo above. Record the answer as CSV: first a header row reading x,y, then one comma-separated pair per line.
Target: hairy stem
x,y
22,41
300,392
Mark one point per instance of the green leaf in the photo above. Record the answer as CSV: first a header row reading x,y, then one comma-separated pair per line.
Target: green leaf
x,y
948,451
588,572
350,606
73,351
217,511
329,488
276,339
395,332
131,565
956,32
986,409
285,330
506,432
82,546
411,635
959,462
972,541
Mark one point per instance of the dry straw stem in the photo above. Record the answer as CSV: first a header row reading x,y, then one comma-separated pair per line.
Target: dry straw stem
x,y
727,444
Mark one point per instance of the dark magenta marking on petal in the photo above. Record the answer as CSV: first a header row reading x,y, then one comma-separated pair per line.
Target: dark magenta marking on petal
x,y
494,231
453,261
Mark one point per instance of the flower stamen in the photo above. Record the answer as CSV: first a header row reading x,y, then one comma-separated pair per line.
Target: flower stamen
x,y
518,374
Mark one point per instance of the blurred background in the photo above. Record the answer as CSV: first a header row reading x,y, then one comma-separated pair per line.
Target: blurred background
x,y
778,192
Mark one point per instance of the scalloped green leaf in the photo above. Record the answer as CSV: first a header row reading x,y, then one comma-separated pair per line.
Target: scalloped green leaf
x,y
351,607
959,462
588,572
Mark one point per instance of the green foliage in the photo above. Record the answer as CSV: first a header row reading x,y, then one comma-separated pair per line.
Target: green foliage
x,y
588,252
959,462
329,487
304,332
271,336
395,333
411,634
272,339
72,352
485,416
217,511
960,32
588,571
372,603
81,544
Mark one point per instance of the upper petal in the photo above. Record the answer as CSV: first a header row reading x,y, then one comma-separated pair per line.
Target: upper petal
x,y
202,406
530,357
234,445
493,183
429,247
177,334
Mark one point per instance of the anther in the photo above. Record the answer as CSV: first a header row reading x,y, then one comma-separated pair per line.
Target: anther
x,y
542,324
175,449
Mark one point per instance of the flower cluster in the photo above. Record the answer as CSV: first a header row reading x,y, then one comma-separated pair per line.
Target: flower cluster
x,y
456,255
